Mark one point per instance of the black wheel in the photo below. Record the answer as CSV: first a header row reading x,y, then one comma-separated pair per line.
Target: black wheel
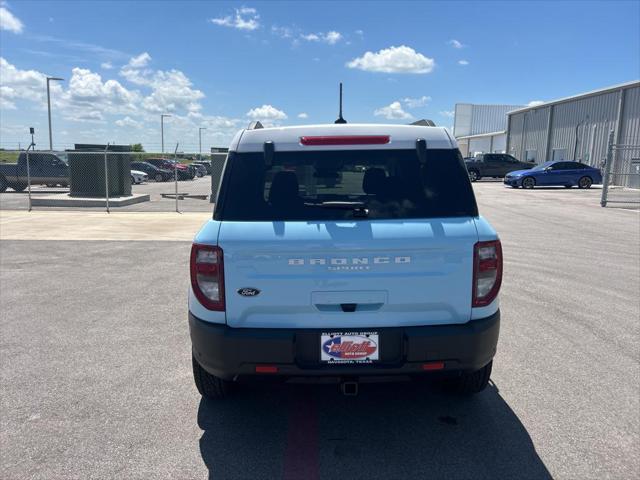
x,y
3,184
474,175
585,182
528,182
159,177
470,383
19,188
133,180
209,385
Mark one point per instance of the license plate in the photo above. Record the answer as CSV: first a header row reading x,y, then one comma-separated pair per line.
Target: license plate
x,y
349,347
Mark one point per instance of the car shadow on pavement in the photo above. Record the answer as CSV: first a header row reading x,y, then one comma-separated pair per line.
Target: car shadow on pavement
x,y
393,430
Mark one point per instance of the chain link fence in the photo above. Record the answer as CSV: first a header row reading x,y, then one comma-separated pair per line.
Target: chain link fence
x,y
108,178
621,180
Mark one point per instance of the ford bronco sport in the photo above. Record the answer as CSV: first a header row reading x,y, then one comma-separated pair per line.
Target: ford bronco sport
x,y
344,251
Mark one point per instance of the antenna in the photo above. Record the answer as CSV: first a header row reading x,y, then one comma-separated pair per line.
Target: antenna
x,y
340,119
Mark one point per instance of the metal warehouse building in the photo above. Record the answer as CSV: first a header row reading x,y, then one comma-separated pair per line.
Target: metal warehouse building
x,y
481,128
577,128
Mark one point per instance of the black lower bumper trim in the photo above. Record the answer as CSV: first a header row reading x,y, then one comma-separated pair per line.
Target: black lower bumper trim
x,y
230,353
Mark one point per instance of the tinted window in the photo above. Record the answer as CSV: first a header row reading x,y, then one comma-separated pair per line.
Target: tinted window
x,y
389,184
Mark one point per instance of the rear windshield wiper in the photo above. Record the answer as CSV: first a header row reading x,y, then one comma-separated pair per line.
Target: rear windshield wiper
x,y
359,209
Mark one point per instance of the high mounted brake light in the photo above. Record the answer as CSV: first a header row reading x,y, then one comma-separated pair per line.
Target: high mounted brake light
x,y
207,276
487,272
345,140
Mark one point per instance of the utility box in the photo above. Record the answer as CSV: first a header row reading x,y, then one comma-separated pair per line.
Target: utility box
x,y
87,171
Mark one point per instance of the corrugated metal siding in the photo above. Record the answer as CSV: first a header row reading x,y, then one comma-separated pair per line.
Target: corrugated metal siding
x,y
599,111
535,138
490,118
515,135
629,135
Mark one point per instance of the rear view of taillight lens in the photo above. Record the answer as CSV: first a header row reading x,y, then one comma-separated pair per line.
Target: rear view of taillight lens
x,y
487,272
207,276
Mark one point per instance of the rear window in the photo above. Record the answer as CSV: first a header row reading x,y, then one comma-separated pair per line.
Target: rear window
x,y
339,185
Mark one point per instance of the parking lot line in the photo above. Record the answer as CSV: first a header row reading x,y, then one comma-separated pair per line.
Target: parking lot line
x,y
130,226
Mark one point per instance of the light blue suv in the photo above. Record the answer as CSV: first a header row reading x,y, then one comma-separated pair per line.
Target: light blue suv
x,y
344,251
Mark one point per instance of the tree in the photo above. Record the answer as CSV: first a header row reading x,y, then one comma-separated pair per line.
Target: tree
x,y
137,147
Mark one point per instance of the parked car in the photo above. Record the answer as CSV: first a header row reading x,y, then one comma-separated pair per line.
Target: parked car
x,y
158,174
138,177
494,165
205,164
391,271
201,170
44,169
555,173
184,171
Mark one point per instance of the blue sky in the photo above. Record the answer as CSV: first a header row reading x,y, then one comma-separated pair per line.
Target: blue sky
x,y
222,64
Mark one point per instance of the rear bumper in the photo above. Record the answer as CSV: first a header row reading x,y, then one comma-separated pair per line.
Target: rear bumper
x,y
233,353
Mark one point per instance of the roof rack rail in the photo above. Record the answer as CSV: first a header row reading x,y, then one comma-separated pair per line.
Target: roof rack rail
x,y
255,125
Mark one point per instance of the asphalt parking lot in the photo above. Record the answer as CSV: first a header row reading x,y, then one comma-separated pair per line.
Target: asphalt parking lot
x,y
96,375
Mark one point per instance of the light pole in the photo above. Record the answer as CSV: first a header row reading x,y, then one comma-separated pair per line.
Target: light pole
x,y
162,115
200,142
49,107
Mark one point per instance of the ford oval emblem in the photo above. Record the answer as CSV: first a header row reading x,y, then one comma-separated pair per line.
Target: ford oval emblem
x,y
248,292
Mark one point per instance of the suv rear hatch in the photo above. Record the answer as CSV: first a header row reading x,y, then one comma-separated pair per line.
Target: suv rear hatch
x,y
347,239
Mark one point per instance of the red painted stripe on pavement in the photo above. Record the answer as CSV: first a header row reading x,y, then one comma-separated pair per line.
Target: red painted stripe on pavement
x,y
301,459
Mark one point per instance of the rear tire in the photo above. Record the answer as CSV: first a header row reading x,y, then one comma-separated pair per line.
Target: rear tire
x,y
585,182
19,188
474,175
3,184
470,383
133,180
159,177
208,385
528,182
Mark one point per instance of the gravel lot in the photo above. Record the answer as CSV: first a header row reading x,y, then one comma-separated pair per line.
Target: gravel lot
x,y
96,376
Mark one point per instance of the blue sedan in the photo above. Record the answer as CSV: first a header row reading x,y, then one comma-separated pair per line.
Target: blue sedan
x,y
555,173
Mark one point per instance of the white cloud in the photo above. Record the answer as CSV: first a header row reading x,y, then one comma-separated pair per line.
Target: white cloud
x,y
266,112
283,32
456,44
464,63
245,18
171,91
393,111
9,22
360,33
303,115
534,103
332,37
139,61
416,102
448,113
128,122
20,84
106,65
400,59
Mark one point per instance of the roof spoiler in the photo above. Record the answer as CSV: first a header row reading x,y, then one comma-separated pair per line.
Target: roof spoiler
x,y
425,122
421,150
269,150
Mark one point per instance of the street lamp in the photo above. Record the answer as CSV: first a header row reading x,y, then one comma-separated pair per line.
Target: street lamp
x,y
200,142
162,128
49,107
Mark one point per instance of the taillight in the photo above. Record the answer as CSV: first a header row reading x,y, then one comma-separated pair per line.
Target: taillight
x,y
207,276
487,272
345,140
